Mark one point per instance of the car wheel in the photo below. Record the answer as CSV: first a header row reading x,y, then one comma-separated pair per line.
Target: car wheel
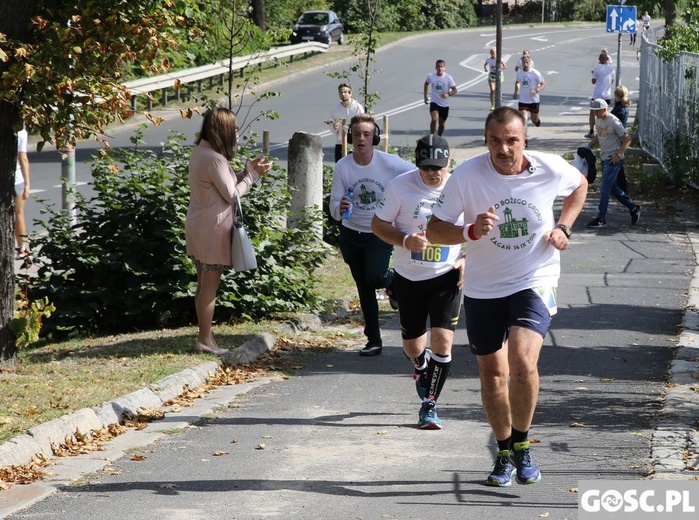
x,y
341,39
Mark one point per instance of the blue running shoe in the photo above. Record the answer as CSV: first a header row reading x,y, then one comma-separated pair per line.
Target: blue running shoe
x,y
527,472
501,476
428,419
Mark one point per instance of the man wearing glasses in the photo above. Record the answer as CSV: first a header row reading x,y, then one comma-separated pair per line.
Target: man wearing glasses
x,y
346,109
428,277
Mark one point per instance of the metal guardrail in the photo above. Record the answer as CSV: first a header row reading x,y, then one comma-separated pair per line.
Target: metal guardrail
x,y
175,80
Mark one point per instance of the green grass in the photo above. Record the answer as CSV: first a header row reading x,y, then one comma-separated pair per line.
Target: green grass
x,y
59,378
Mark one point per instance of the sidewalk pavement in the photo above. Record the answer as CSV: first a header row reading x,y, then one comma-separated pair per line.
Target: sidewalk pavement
x,y
620,262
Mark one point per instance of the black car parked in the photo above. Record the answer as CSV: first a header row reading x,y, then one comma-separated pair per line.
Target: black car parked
x,y
321,26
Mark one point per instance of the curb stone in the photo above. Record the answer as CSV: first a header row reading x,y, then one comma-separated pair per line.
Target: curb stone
x,y
675,441
20,450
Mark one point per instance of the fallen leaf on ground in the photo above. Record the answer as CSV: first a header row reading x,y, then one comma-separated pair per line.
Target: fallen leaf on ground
x,y
576,425
261,446
139,458
149,414
219,453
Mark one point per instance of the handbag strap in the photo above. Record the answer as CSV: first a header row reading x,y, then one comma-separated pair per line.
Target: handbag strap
x,y
237,210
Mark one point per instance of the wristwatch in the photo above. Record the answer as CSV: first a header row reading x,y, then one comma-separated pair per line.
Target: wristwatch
x,y
566,230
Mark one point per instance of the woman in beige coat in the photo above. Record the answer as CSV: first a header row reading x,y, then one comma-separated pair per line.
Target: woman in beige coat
x,y
214,187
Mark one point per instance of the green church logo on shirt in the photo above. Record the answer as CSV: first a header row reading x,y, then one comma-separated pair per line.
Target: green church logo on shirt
x,y
366,196
513,228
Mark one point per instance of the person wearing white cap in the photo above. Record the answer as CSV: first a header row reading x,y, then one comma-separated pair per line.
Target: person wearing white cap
x,y
513,244
428,277
613,140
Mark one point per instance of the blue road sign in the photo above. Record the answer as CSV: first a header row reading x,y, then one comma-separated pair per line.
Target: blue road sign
x,y
621,18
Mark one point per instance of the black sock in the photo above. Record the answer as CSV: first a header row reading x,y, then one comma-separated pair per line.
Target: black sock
x,y
504,445
518,436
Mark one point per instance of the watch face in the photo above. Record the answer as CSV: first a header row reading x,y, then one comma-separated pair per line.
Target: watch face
x,y
566,230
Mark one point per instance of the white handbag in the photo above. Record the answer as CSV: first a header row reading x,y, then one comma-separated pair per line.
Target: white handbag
x,y
242,252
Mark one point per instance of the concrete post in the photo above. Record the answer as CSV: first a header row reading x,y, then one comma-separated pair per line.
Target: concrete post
x,y
68,182
306,178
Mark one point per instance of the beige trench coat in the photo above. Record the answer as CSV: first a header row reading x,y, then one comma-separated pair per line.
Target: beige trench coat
x,y
213,188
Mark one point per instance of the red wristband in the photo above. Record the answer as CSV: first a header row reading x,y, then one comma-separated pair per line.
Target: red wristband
x,y
470,233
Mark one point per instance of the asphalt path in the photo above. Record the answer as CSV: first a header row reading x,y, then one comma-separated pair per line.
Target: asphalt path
x,y
565,55
339,440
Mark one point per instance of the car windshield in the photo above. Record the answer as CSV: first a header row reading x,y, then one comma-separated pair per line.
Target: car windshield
x,y
314,18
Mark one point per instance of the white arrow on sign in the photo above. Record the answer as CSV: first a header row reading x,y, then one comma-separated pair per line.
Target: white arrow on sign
x,y
614,15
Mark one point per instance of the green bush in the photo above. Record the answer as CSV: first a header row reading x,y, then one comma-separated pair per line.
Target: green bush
x,y
408,15
124,267
331,227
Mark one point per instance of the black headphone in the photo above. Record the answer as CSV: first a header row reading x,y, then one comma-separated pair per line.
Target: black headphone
x,y
374,141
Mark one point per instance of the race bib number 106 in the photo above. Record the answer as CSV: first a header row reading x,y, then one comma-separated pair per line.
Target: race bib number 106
x,y
431,256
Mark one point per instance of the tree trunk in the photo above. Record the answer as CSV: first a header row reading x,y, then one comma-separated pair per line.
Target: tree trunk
x,y
15,23
670,17
258,14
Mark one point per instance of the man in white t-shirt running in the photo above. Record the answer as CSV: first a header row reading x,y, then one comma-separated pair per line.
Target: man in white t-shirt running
x,y
438,89
513,244
527,87
428,277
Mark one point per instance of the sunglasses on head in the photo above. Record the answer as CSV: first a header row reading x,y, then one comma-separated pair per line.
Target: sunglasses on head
x,y
431,168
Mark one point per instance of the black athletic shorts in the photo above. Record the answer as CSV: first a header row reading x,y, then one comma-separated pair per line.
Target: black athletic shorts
x,y
488,321
442,111
437,299
533,108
